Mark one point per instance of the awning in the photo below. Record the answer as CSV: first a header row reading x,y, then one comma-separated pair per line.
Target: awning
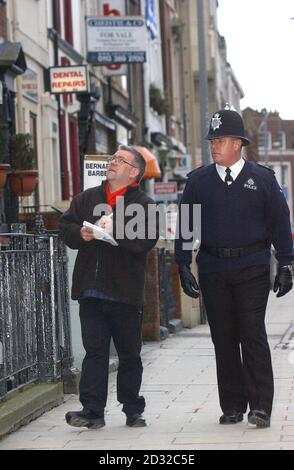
x,y
159,139
12,58
122,116
152,166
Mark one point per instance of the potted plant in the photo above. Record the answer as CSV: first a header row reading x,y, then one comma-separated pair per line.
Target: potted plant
x,y
157,100
23,178
4,167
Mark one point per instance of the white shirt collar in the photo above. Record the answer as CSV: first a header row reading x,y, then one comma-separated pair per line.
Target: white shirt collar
x,y
235,169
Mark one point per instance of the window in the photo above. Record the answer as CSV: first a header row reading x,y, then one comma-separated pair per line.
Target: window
x,y
282,140
56,16
264,141
68,29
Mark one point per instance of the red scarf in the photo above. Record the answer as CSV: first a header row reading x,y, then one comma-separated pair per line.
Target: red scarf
x,y
111,197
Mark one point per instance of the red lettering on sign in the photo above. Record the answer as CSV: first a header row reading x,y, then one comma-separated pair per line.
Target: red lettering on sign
x,y
108,12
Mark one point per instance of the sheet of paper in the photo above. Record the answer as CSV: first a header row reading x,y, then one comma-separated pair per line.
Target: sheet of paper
x,y
100,234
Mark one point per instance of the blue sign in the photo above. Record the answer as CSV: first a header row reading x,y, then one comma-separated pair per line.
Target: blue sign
x,y
151,21
105,58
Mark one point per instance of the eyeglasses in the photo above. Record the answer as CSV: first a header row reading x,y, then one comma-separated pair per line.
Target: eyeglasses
x,y
117,159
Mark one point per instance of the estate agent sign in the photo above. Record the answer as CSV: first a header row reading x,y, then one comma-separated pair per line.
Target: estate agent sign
x,y
116,40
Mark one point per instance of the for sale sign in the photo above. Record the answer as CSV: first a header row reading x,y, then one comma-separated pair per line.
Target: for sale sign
x,y
113,8
116,40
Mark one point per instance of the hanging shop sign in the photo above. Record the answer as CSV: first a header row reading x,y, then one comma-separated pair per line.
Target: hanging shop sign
x,y
30,84
70,79
116,40
165,191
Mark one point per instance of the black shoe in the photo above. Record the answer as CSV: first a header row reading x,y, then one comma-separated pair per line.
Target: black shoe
x,y
260,418
136,420
231,417
85,418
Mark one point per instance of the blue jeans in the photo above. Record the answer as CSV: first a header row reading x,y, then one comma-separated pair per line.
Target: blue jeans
x,y
102,320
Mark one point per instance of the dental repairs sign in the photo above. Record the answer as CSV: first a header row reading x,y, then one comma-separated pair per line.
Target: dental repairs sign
x,y
95,170
116,40
70,79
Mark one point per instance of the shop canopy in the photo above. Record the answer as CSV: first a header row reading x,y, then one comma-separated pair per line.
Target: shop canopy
x,y
12,58
152,166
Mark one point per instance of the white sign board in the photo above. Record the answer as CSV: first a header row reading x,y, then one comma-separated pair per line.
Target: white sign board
x,y
169,227
116,40
113,8
70,79
95,170
184,166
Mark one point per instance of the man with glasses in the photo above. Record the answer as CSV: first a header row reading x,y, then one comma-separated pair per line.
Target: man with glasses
x,y
108,282
243,212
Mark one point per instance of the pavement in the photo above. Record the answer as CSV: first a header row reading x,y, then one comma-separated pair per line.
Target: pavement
x,y
179,384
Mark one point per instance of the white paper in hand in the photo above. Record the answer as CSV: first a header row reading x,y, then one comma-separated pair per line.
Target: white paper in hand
x,y
100,234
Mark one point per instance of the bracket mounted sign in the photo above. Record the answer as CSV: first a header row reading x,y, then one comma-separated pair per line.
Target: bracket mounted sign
x,y
69,79
116,40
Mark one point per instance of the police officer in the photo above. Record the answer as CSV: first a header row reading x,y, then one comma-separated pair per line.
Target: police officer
x,y
243,212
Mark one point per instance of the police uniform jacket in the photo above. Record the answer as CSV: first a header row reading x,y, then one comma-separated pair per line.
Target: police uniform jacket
x,y
252,209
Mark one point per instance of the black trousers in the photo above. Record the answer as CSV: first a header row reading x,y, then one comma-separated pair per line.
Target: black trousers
x,y
235,302
101,320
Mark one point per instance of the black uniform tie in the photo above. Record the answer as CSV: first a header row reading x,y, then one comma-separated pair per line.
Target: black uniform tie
x,y
228,179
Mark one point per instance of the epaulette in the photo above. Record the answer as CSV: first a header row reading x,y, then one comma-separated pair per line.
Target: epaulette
x,y
266,168
195,169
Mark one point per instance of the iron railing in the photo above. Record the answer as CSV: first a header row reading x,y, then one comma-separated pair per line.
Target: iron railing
x,y
167,300
35,341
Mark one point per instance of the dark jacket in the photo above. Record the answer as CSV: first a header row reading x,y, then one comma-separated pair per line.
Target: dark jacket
x,y
117,271
252,209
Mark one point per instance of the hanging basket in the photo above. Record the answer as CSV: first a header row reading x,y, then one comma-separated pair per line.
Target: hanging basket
x,y
23,182
4,168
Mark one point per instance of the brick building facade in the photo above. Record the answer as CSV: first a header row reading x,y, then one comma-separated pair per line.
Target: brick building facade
x,y
276,151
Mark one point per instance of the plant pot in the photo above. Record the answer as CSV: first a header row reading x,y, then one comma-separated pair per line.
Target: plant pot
x,y
23,182
4,168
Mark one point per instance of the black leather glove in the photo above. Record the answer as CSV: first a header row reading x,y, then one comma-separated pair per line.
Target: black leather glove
x,y
188,281
283,281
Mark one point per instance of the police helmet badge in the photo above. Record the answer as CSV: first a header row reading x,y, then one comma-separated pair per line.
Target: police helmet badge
x,y
216,122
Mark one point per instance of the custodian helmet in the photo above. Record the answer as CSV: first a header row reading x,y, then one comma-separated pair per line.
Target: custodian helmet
x,y
227,123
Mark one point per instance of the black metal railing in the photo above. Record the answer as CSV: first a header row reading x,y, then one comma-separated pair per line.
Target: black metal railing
x,y
167,300
35,341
